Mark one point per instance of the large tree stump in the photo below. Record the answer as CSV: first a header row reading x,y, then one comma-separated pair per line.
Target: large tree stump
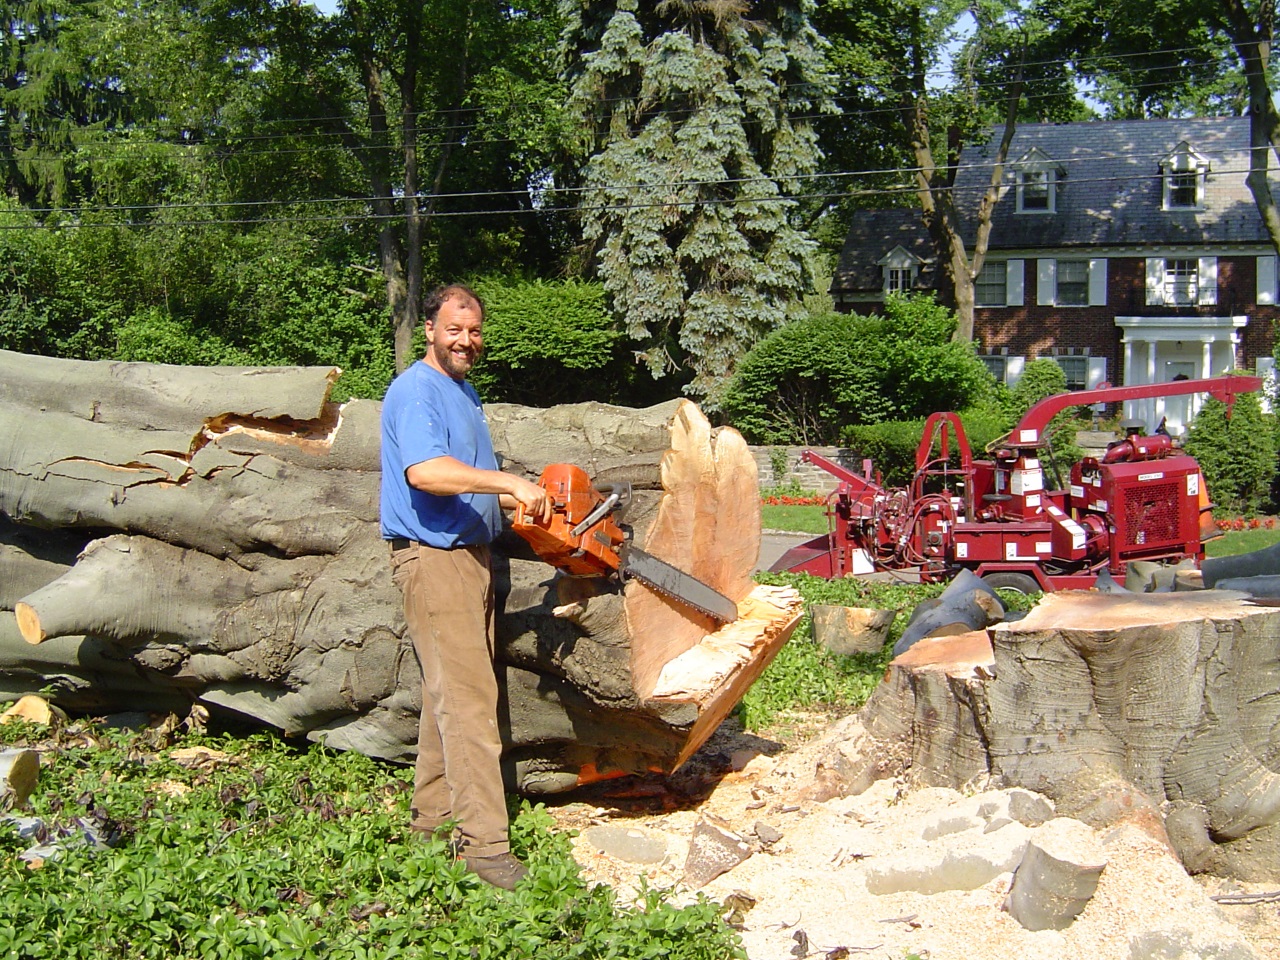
x,y
174,535
1117,706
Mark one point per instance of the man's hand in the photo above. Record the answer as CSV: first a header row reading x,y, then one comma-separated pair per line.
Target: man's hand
x,y
531,496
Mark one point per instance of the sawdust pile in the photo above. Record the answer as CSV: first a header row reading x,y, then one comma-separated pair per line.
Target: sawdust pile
x,y
802,892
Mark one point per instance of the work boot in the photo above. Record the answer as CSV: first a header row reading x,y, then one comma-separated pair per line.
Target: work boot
x,y
501,870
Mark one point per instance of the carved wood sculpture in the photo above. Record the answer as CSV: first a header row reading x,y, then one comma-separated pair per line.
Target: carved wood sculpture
x,y
171,535
1157,708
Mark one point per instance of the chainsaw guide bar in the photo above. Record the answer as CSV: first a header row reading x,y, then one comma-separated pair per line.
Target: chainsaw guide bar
x,y
675,583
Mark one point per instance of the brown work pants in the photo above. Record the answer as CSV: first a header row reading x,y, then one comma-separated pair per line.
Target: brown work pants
x,y
448,606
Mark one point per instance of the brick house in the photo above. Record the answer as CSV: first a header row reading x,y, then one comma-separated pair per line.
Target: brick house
x,y
1129,251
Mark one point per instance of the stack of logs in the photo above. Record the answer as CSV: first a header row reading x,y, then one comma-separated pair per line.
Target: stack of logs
x,y
173,535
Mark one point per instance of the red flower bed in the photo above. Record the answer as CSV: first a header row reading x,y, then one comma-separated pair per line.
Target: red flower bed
x,y
789,501
1240,523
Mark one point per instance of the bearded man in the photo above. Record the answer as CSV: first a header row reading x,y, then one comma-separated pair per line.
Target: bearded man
x,y
442,496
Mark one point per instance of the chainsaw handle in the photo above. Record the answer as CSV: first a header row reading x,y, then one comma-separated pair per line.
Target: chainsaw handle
x,y
613,493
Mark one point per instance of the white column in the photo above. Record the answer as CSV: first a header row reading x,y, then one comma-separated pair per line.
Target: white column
x,y
1207,370
1151,361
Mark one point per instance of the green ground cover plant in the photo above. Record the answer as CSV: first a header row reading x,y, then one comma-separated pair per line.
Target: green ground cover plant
x,y
261,849
805,676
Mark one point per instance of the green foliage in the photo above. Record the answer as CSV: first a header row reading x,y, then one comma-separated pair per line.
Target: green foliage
x,y
697,126
778,463
1043,378
893,445
271,852
805,674
555,342
1237,455
810,380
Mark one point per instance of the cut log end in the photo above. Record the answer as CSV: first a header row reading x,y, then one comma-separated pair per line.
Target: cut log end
x,y
29,623
32,709
19,771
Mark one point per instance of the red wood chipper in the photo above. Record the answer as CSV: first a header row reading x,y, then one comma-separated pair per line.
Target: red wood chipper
x,y
1143,500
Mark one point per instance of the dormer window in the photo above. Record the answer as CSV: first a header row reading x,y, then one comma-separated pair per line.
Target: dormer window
x,y
1037,176
1183,172
1036,191
901,267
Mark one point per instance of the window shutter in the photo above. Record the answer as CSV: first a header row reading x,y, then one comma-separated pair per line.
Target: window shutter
x,y
1155,281
1097,372
1266,369
1266,280
1013,367
1013,283
1046,281
1098,283
1207,280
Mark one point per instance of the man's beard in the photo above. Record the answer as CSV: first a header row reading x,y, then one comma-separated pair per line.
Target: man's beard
x,y
451,364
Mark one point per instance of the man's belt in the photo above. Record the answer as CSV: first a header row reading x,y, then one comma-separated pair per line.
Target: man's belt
x,y
400,543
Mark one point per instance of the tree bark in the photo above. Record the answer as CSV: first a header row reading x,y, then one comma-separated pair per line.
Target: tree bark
x,y
171,536
1252,37
1097,699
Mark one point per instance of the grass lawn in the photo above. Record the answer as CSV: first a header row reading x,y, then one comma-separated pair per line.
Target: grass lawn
x,y
1241,541
794,519
813,519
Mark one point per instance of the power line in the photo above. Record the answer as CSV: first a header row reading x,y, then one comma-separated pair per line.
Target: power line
x,y
460,131
792,199
667,185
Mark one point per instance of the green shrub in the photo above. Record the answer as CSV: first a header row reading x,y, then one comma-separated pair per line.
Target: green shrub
x,y
809,380
1041,379
1236,455
892,446
556,342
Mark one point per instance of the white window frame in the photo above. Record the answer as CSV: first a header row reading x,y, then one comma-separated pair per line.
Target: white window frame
x,y
1181,281
1034,170
1090,371
992,267
1183,162
1047,283
897,266
1014,282
1083,299
1031,182
899,280
1162,281
997,365
1068,364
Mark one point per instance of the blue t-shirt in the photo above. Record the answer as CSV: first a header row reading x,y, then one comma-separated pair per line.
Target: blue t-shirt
x,y
428,414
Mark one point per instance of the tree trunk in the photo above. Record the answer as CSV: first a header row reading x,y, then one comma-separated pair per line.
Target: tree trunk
x,y
1252,40
174,535
1115,706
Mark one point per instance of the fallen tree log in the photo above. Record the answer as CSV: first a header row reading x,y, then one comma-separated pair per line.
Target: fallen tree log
x,y
171,536
1117,706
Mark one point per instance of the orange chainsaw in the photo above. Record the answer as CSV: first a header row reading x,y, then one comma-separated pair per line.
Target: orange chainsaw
x,y
582,537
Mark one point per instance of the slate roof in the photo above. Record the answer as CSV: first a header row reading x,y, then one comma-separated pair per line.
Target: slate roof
x,y
1109,194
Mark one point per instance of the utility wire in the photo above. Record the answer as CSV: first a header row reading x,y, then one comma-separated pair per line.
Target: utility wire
x,y
461,131
903,190
895,172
